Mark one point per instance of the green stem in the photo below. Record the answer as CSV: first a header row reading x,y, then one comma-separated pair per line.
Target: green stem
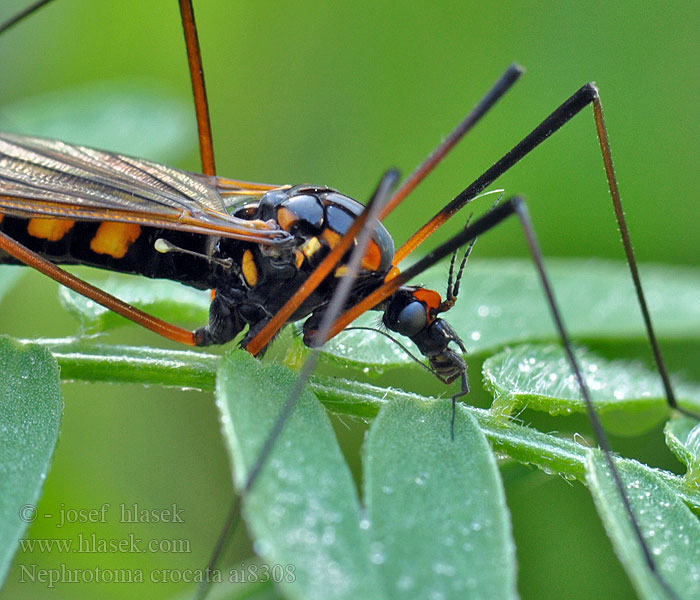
x,y
82,361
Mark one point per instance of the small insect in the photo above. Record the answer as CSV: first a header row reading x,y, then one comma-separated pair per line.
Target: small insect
x,y
271,254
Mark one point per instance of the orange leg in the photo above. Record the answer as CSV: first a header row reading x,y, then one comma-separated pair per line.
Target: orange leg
x,y
32,259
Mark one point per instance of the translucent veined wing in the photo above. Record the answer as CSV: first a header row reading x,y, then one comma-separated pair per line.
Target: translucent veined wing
x,y
48,178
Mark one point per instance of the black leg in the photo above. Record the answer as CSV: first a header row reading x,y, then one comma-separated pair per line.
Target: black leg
x,y
587,94
517,206
30,10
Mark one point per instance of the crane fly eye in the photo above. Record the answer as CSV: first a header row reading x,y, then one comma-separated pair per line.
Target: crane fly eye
x,y
412,319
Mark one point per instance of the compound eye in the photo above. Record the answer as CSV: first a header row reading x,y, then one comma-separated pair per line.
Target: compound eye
x,y
412,319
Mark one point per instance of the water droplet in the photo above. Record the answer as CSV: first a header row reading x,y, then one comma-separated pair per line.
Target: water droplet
x,y
405,582
261,547
377,555
440,568
328,536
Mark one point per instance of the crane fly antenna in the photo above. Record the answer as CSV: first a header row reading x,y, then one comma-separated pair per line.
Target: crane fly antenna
x,y
29,10
450,276
467,254
453,291
453,281
462,265
331,312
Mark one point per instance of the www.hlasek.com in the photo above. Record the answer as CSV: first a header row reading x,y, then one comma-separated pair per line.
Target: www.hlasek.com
x,y
94,544
245,573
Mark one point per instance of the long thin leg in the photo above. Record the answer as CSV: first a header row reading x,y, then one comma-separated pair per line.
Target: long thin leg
x,y
518,207
507,80
378,201
29,10
562,115
629,253
194,58
587,94
504,83
521,210
34,260
513,206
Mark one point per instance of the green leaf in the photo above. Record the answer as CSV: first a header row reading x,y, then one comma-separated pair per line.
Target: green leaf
x,y
168,300
9,276
683,438
670,530
30,413
262,588
303,510
540,378
127,116
439,522
502,303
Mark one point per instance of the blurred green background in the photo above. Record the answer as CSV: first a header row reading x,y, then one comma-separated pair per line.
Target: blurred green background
x,y
333,94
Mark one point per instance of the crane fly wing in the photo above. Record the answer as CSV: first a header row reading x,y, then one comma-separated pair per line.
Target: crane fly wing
x,y
48,178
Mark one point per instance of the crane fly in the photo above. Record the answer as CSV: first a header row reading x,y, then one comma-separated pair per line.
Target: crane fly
x,y
275,254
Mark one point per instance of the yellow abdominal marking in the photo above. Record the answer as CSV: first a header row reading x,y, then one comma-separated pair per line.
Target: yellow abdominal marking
x,y
114,239
49,229
250,269
311,247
